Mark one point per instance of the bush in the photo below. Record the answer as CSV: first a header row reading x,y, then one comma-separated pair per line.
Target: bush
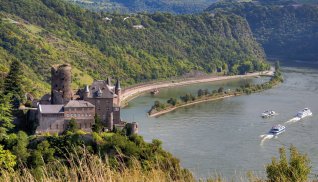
x,y
294,170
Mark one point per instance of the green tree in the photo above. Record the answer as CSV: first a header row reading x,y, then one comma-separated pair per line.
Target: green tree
x,y
43,154
200,93
20,149
13,83
172,101
294,170
7,159
221,90
98,125
6,118
72,126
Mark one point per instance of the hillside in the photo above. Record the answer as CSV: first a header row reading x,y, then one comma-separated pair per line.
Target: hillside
x,y
40,33
134,6
287,30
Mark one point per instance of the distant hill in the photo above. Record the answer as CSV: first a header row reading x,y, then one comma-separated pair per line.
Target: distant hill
x,y
134,48
134,6
286,29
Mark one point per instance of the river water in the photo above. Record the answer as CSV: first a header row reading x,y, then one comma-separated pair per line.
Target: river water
x,y
224,137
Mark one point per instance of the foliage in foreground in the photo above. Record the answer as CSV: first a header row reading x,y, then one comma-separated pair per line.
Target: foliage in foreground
x,y
296,169
88,167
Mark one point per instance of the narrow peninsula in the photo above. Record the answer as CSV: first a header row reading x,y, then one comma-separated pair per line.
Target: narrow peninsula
x,y
204,95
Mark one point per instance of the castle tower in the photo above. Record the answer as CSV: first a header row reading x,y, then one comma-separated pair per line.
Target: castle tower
x,y
118,92
134,128
61,91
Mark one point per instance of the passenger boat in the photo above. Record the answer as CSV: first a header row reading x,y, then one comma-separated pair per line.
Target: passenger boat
x,y
277,129
304,113
267,114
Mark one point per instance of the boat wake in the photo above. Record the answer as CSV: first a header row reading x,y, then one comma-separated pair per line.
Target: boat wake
x,y
293,120
266,137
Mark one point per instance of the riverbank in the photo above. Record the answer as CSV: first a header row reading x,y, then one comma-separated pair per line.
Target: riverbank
x,y
188,104
204,96
133,92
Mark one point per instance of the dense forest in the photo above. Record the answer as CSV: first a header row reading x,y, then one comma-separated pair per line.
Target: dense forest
x,y
286,29
150,6
135,48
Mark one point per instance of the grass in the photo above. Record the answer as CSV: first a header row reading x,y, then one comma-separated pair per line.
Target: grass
x,y
80,78
88,167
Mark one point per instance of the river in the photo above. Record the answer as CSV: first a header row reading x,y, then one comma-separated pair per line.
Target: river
x,y
223,137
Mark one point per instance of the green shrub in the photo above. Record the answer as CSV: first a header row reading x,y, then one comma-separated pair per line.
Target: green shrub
x,y
296,169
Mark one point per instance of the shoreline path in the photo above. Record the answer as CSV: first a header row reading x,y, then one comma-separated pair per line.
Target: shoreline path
x,y
133,92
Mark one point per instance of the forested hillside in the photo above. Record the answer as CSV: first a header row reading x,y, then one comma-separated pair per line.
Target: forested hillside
x,y
133,6
40,33
286,29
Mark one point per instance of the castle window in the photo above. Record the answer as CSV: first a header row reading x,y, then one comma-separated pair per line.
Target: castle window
x,y
84,125
57,126
80,126
50,126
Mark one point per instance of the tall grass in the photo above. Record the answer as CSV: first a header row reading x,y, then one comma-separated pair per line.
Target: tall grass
x,y
92,168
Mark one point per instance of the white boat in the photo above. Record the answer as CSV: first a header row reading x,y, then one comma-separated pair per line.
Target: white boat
x,y
304,113
267,114
277,129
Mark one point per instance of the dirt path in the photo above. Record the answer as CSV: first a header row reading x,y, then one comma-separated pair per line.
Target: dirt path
x,y
133,92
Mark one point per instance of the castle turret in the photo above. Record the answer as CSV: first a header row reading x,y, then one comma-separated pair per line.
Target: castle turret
x,y
61,91
108,81
134,128
110,122
86,92
118,92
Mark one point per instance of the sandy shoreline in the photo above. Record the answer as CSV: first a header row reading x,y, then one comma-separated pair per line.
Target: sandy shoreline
x,y
189,104
133,92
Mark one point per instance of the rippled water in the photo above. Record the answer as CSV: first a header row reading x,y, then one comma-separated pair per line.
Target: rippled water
x,y
223,137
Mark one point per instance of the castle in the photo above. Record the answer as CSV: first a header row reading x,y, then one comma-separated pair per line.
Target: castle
x,y
55,110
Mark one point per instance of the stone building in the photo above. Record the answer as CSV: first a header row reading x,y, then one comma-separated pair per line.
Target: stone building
x,y
105,97
55,118
55,110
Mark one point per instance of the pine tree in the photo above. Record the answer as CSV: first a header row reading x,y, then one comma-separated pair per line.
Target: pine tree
x,y
6,118
13,83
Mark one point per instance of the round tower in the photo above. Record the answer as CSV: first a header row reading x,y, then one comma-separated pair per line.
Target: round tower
x,y
61,90
134,128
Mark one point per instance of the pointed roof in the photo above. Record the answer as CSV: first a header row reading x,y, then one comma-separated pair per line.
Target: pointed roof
x,y
86,89
117,87
100,89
